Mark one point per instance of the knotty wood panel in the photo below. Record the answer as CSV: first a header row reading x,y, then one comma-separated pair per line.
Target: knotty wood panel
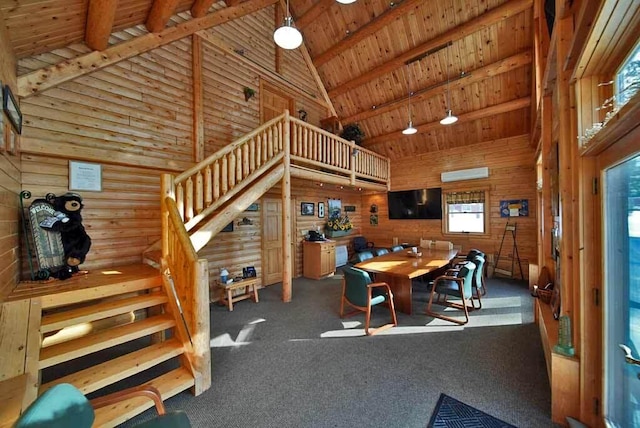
x,y
227,116
137,112
511,166
122,220
10,170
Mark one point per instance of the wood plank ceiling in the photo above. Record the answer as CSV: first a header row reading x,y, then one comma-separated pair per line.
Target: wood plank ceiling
x,y
367,54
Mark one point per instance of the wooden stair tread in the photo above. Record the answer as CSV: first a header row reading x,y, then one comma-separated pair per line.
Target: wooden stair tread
x,y
112,371
98,311
56,292
71,349
169,384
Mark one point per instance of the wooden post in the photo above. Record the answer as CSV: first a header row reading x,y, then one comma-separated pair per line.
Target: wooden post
x,y
166,190
198,106
201,327
545,258
286,213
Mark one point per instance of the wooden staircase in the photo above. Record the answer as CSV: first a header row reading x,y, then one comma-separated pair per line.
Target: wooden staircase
x,y
90,323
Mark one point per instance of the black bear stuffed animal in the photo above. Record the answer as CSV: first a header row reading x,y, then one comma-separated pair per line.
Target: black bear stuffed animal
x,y
75,240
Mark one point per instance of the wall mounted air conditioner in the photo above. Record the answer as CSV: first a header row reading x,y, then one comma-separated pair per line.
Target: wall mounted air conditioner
x,y
464,174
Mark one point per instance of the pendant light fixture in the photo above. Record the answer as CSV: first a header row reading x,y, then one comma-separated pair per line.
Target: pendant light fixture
x,y
409,130
449,118
287,36
346,1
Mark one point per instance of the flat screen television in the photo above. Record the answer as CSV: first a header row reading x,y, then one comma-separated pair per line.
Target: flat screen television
x,y
415,204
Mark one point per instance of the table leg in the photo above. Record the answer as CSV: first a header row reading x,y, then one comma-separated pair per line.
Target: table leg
x,y
230,299
255,293
401,289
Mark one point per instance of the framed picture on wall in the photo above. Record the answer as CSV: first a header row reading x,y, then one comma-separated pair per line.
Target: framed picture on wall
x,y
320,209
10,107
307,208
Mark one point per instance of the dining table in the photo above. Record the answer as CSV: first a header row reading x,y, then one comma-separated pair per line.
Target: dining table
x,y
398,269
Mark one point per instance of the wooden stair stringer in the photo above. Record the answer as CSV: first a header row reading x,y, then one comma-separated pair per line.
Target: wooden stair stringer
x,y
169,384
226,214
93,378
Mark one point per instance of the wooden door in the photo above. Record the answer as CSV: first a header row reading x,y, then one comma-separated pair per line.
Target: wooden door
x,y
273,103
271,241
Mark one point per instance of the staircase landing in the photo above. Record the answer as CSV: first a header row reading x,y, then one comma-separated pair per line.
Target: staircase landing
x,y
137,275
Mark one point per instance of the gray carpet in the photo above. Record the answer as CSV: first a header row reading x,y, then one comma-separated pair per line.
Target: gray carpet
x,y
298,364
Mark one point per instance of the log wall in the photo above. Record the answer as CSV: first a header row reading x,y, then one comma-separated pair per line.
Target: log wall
x,y
242,247
511,166
10,170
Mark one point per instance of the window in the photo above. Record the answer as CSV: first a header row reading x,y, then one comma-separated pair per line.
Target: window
x,y
465,212
628,78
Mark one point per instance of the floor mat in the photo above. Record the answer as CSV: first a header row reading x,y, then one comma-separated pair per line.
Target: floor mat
x,y
451,413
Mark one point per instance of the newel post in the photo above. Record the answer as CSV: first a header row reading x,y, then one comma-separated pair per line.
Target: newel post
x,y
166,191
286,212
353,155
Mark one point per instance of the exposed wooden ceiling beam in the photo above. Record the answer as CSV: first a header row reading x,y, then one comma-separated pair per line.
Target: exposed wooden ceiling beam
x,y
506,10
199,8
53,75
366,30
465,117
318,8
477,75
100,16
161,11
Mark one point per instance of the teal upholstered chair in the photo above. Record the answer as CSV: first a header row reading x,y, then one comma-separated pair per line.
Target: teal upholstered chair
x,y
64,406
478,279
458,285
362,256
381,251
397,248
359,292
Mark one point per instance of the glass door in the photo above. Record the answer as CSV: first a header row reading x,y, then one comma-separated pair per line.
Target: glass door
x,y
621,251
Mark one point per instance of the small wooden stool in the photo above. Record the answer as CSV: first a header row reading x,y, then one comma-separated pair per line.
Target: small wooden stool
x,y
250,286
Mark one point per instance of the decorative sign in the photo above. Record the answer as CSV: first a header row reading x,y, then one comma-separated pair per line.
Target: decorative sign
x,y
85,176
349,208
514,208
320,209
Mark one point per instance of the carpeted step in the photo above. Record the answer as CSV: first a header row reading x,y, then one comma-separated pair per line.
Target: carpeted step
x,y
169,384
112,371
75,348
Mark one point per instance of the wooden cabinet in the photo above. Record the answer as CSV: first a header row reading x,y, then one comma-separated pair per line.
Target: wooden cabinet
x,y
319,259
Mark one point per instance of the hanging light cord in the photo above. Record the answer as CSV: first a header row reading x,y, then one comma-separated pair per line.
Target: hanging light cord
x,y
448,85
409,87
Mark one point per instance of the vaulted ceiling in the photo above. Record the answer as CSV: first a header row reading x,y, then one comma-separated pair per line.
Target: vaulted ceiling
x,y
474,55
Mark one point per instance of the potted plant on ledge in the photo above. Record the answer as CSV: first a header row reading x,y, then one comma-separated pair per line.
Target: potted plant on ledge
x,y
338,226
352,132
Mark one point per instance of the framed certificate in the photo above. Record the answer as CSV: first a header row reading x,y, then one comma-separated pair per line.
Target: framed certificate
x,y
85,176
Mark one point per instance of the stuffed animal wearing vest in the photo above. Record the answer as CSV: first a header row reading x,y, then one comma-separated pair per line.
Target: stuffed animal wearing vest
x,y
75,240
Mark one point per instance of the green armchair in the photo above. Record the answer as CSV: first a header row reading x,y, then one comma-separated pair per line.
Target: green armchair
x,y
359,292
459,285
64,406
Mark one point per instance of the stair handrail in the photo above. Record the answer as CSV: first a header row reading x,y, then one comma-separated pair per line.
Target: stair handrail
x,y
189,296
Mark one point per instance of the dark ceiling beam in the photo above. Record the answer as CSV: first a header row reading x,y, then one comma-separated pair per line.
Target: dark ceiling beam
x,y
199,8
318,8
367,30
100,16
48,77
506,10
497,109
161,11
477,75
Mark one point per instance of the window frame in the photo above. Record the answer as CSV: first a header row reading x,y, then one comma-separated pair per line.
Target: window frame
x,y
486,213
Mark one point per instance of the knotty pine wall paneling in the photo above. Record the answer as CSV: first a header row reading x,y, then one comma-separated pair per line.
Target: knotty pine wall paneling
x,y
122,220
10,172
134,118
511,166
